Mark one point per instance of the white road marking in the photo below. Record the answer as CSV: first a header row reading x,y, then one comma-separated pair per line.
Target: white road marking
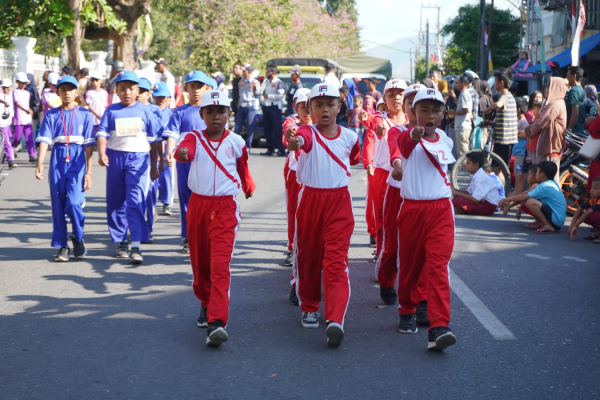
x,y
483,314
537,256
575,258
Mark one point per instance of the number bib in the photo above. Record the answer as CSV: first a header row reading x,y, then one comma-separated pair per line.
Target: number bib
x,y
128,127
440,151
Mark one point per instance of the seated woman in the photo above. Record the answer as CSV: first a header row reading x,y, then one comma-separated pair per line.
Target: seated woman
x,y
519,68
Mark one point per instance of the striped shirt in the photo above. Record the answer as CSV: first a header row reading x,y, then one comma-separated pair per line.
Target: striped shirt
x,y
506,131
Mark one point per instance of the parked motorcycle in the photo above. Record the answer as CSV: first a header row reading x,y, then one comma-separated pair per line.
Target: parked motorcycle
x,y
573,181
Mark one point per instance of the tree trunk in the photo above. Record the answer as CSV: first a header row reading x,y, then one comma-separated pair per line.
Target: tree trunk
x,y
124,48
74,41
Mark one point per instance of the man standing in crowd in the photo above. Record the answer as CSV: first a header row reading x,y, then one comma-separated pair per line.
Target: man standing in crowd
x,y
330,76
296,84
462,120
162,67
575,100
274,92
246,112
111,88
372,89
235,86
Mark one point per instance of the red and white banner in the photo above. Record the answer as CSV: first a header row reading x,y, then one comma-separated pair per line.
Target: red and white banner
x,y
580,24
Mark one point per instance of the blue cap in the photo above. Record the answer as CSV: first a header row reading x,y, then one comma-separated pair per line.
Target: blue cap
x,y
127,76
197,76
145,84
160,89
211,82
66,79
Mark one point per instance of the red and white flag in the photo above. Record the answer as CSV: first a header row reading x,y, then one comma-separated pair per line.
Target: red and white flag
x,y
576,38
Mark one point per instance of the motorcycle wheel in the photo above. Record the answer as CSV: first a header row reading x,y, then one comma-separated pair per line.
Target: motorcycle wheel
x,y
571,188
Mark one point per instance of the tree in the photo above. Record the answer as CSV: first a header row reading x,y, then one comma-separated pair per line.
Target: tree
x,y
463,28
338,6
421,68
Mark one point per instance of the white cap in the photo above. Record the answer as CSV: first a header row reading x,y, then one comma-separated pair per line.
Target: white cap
x,y
412,89
301,95
96,75
380,101
428,94
215,98
395,84
53,78
6,83
22,77
324,89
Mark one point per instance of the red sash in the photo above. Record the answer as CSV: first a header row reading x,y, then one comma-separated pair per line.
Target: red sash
x,y
215,160
328,151
435,164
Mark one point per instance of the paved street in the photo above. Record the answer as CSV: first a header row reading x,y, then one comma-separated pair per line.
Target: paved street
x,y
525,310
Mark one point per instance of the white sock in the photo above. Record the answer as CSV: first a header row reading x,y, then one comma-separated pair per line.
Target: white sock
x,y
135,244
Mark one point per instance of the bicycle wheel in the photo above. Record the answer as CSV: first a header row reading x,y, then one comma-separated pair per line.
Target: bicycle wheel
x,y
459,177
573,190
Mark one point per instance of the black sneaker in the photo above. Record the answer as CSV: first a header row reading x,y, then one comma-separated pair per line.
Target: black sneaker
x,y
203,318
408,323
289,259
186,247
167,210
440,337
375,258
294,297
135,256
79,249
32,159
335,334
150,240
216,334
123,250
388,295
281,154
310,320
422,318
62,255
12,165
267,153
373,242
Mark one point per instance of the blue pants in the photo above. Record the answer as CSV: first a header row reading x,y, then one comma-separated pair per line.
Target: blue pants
x,y
66,192
273,128
247,115
127,181
165,185
151,201
184,192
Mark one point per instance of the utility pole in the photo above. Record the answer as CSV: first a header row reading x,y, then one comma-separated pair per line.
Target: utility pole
x,y
481,49
439,38
411,67
427,50
489,46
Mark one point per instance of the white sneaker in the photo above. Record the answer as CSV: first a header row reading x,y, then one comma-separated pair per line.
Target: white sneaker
x,y
310,320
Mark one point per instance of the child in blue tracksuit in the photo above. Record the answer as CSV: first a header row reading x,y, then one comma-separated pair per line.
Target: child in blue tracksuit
x,y
69,129
184,119
125,136
162,98
152,195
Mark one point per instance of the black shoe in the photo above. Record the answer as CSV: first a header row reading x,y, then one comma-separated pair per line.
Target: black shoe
x,y
440,337
335,334
281,154
32,159
408,323
216,334
186,247
373,242
167,210
422,318
203,318
135,256
294,297
12,165
150,240
375,258
62,255
79,249
388,295
310,320
289,259
267,153
123,250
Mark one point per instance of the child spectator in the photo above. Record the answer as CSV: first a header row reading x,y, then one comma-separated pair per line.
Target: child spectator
x,y
546,203
6,112
342,117
22,119
519,149
369,104
354,123
96,99
381,106
588,213
534,98
531,182
69,130
219,168
481,198
324,217
426,219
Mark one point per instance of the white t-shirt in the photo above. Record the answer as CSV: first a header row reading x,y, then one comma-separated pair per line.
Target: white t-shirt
x,y
6,122
465,101
483,187
332,79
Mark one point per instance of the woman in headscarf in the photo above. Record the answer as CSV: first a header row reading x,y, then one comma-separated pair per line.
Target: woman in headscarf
x,y
485,98
352,91
592,99
547,132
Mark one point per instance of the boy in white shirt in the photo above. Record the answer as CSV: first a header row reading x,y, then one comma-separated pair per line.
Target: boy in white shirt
x,y
482,197
6,112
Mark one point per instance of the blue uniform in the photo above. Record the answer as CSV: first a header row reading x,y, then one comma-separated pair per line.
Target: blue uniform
x,y
246,112
184,119
66,178
129,130
152,195
165,181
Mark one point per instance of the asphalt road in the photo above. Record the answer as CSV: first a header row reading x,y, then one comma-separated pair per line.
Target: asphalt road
x,y
525,310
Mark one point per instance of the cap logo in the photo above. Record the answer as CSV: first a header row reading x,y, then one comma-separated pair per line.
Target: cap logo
x,y
214,95
430,92
323,88
191,74
122,73
155,87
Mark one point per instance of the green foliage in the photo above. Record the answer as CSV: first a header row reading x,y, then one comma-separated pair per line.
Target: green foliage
x,y
338,6
421,68
464,29
98,12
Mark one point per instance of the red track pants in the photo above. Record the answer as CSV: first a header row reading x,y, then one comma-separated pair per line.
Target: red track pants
x,y
426,231
387,263
379,188
369,211
292,188
212,227
324,223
